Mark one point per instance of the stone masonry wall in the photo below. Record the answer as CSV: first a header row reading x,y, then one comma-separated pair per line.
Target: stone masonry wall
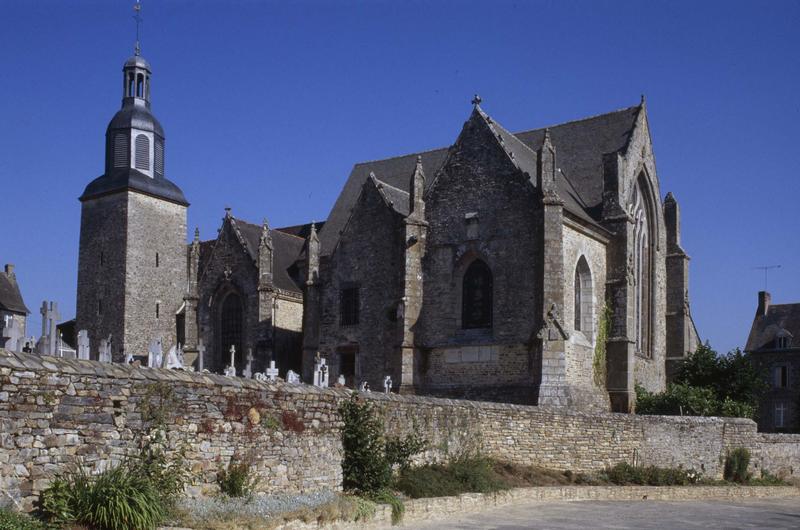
x,y
54,412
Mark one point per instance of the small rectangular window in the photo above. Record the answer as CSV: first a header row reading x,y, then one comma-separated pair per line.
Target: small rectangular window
x,y
158,309
348,308
780,415
781,377
156,259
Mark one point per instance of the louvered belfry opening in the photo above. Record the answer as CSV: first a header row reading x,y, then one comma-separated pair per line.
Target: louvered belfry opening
x,y
159,158
143,152
120,150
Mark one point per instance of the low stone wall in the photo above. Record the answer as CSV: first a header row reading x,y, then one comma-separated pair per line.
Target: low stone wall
x,y
55,412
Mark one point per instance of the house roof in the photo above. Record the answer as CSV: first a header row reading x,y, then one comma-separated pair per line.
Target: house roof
x,y
580,148
10,296
780,319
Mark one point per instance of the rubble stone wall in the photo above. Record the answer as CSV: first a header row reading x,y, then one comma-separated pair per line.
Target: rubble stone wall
x,y
55,412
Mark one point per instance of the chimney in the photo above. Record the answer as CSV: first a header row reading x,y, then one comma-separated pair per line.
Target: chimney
x,y
10,270
763,303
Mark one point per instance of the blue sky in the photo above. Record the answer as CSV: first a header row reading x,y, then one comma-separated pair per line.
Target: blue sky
x,y
266,107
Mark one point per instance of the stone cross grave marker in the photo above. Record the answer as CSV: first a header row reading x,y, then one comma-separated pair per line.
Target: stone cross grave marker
x,y
248,369
83,345
104,352
292,377
230,370
272,372
201,353
320,372
387,384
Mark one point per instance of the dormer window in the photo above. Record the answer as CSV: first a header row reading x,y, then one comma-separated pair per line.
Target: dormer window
x,y
782,342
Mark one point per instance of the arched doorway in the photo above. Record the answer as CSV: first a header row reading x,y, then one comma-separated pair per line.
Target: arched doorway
x,y
229,331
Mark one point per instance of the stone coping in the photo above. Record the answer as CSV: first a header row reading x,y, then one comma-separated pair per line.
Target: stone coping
x,y
59,365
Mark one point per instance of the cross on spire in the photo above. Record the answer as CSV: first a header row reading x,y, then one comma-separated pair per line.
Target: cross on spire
x,y
476,100
137,8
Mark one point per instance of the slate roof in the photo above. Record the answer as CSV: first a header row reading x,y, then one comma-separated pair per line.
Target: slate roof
x,y
128,178
580,146
10,296
301,230
285,250
766,328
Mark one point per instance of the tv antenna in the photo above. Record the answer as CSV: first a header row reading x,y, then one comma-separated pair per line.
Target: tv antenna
x,y
766,269
137,8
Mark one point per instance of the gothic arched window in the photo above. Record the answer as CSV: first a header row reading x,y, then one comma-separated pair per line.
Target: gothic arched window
x,y
142,152
642,268
230,330
584,319
476,296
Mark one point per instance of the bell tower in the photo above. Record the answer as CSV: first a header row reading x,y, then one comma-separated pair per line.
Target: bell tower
x,y
132,256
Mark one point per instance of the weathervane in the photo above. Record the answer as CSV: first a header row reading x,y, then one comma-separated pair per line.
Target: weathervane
x,y
137,7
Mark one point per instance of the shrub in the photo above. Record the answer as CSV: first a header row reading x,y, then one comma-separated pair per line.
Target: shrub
x,y
400,450
18,521
167,475
387,497
116,499
464,475
365,467
237,481
736,462
625,474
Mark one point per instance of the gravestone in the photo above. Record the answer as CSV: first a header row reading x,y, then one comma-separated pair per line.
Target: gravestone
x,y
230,370
292,377
341,380
104,352
272,372
364,387
12,335
83,345
155,354
320,372
173,359
129,358
261,376
201,354
387,384
50,315
248,369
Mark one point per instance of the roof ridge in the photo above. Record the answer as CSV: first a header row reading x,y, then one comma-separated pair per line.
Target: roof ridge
x,y
415,153
577,121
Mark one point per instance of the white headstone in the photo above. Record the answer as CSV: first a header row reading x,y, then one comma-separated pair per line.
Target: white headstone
x,y
128,358
248,368
272,372
230,370
201,353
292,377
320,372
341,380
104,352
83,345
261,376
364,387
387,384
12,334
155,354
173,360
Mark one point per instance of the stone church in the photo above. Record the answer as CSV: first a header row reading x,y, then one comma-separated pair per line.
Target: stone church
x,y
540,267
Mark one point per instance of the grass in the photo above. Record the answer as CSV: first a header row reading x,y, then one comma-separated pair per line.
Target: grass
x,y
18,521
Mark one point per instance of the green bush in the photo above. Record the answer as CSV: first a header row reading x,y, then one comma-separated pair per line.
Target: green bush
x,y
365,467
400,450
237,480
387,497
736,462
116,499
464,475
625,474
18,521
167,474
684,400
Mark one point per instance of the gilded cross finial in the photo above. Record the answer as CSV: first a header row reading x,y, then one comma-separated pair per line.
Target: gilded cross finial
x,y
137,8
